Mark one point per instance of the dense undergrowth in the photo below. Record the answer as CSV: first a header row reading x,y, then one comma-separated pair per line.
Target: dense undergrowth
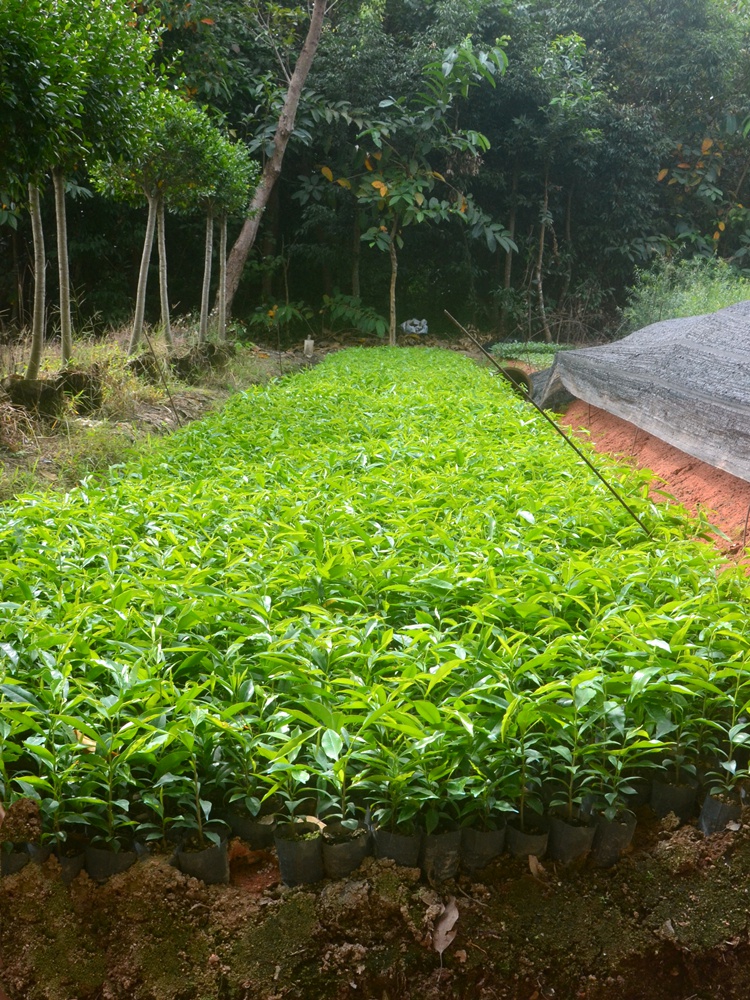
x,y
383,582
675,289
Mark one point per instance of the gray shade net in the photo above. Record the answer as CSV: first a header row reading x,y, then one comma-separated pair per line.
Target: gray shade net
x,y
686,381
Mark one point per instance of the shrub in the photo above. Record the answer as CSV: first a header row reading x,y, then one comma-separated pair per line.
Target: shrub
x,y
692,287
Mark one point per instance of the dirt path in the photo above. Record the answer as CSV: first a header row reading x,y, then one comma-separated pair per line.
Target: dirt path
x,y
724,499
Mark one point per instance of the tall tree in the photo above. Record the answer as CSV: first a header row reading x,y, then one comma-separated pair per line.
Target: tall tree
x,y
40,90
396,155
275,153
222,175
68,72
164,163
112,52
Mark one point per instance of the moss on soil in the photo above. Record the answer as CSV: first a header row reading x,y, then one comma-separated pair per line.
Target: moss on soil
x,y
670,921
273,950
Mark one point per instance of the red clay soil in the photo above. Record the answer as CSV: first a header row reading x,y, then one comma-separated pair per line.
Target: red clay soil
x,y
724,499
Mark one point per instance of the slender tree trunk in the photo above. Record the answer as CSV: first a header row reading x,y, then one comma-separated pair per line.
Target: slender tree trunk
x,y
569,251
161,240
269,245
540,260
508,274
272,167
394,276
222,292
63,268
356,256
140,299
207,261
40,263
19,314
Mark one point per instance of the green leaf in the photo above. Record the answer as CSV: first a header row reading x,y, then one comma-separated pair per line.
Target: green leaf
x,y
332,744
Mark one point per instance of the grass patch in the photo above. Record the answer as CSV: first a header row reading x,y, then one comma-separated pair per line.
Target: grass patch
x,y
15,482
534,353
60,452
91,448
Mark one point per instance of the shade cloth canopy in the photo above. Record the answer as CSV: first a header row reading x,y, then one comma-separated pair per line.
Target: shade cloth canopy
x,y
687,381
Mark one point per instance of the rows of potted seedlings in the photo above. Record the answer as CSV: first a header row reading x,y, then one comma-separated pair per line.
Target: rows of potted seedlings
x,y
379,594
553,768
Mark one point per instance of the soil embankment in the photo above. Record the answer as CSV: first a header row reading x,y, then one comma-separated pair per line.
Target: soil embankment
x,y
701,488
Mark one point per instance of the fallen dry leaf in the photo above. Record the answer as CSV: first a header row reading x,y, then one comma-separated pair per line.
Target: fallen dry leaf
x,y
241,852
315,821
445,929
536,868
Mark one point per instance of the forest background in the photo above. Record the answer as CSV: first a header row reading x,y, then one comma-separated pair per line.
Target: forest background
x,y
614,138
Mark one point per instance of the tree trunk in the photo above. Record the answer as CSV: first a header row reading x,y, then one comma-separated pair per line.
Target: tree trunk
x,y
540,261
394,276
63,269
222,292
207,261
569,251
37,322
356,257
140,299
163,284
272,167
19,313
508,275
269,245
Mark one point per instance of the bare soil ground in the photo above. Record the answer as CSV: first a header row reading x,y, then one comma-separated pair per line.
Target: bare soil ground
x,y
669,922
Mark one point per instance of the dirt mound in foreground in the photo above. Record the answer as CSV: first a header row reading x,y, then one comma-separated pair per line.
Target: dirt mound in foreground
x,y
668,922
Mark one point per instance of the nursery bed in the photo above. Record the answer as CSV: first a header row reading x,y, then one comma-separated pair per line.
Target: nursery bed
x,y
383,588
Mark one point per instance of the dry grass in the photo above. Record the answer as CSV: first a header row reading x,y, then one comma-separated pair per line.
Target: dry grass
x,y
35,453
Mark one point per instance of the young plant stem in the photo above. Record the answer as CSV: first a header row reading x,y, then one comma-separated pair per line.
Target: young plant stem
x,y
198,807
